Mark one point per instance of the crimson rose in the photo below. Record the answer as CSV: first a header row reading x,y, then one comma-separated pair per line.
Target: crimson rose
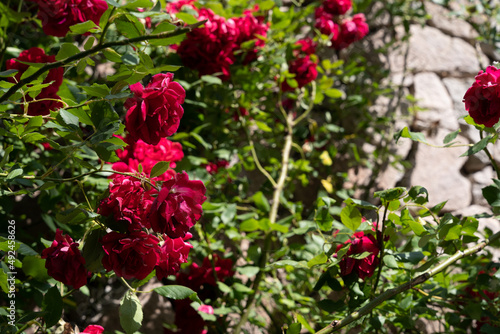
x,y
58,15
360,243
131,255
173,253
305,71
482,100
93,329
325,23
64,262
128,202
337,7
351,30
155,110
178,206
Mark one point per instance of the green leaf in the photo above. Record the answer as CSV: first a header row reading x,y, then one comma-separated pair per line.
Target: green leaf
x,y
34,266
67,50
406,133
69,118
5,157
453,233
211,79
130,59
8,73
279,228
479,146
351,217
324,219
52,306
128,28
92,250
470,226
360,204
263,126
492,195
186,17
33,137
261,201
390,261
130,313
163,27
250,225
89,43
334,93
318,259
137,4
159,168
289,263
98,90
407,219
294,328
390,194
82,28
304,323
176,292
14,173
450,137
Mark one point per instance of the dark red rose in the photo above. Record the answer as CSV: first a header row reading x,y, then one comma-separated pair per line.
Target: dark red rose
x,y
175,7
187,319
93,329
131,255
37,55
482,100
360,243
197,275
210,49
307,47
64,262
178,206
305,71
58,15
325,23
173,253
128,202
351,30
155,111
249,27
213,167
147,156
43,104
336,7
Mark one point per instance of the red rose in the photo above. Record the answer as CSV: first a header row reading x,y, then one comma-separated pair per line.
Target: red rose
x,y
325,24
173,253
249,27
360,243
148,155
307,47
128,202
213,167
482,100
204,274
155,111
305,71
178,206
131,255
58,15
351,30
210,49
187,319
337,7
93,329
64,262
43,104
175,7
37,55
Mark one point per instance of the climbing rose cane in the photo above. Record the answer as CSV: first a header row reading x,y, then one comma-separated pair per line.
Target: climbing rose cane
x,y
178,206
64,262
482,100
155,111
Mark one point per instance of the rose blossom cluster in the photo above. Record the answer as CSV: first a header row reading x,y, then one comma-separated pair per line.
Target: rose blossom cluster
x,y
343,31
150,219
48,99
58,16
213,48
304,64
139,153
482,99
358,244
200,279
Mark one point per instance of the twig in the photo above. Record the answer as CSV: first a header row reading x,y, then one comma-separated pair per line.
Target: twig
x,y
336,325
97,48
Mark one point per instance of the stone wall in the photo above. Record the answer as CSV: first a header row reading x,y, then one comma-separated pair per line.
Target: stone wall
x,y
437,65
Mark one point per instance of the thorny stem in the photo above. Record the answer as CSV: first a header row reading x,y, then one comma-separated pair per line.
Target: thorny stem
x,y
97,48
380,239
493,162
337,325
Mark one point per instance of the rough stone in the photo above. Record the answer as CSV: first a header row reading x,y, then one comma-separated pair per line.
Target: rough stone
x,y
438,170
476,162
480,180
449,23
433,96
433,51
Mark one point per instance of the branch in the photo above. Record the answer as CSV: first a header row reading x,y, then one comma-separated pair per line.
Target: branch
x,y
97,48
336,325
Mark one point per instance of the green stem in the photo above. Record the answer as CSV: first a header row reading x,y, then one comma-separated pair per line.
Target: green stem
x,y
128,285
311,105
493,162
105,29
380,239
97,48
278,189
337,325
